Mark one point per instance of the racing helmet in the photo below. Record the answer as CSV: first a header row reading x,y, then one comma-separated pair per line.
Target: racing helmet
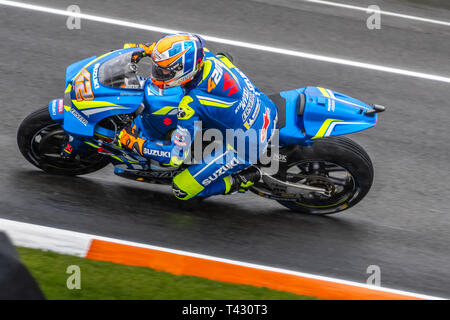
x,y
176,59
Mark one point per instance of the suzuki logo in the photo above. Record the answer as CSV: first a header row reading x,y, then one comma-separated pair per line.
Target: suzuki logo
x,y
167,121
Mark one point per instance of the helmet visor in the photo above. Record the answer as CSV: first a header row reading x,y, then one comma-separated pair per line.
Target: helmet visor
x,y
160,73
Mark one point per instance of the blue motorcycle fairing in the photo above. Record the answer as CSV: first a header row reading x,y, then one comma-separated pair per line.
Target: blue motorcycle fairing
x,y
80,118
326,113
161,110
74,68
56,110
82,114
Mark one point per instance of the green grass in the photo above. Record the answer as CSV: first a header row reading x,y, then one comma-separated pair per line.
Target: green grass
x,y
106,280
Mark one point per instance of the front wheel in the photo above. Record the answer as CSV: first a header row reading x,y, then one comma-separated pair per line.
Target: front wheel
x,y
41,140
337,164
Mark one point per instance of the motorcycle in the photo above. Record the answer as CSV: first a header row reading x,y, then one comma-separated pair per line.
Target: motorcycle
x,y
319,171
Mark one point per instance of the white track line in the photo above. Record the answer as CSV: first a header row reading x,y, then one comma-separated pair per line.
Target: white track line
x,y
386,13
76,243
300,54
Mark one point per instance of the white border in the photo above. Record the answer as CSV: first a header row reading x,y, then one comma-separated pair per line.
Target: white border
x,y
76,243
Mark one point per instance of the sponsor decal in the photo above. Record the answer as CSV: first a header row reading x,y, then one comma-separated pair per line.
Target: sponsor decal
x,y
128,93
60,105
167,121
68,149
78,116
221,171
184,78
133,86
157,153
181,137
244,99
247,103
248,99
253,116
265,125
248,107
95,76
230,84
54,107
180,143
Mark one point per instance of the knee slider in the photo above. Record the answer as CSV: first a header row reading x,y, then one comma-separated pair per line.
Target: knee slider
x,y
179,193
185,187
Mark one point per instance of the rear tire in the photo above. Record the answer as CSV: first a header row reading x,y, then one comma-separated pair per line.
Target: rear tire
x,y
38,129
344,153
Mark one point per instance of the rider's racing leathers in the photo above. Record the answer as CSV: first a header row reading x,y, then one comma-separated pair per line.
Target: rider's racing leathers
x,y
221,97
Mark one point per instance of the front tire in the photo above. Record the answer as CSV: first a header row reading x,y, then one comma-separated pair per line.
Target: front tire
x,y
323,161
40,140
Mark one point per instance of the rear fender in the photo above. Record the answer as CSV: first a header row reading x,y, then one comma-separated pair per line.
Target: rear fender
x,y
328,113
310,113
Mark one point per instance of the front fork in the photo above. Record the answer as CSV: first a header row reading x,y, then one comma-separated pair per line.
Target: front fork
x,y
72,148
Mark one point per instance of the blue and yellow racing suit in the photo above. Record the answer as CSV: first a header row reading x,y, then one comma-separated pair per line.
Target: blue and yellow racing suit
x,y
222,98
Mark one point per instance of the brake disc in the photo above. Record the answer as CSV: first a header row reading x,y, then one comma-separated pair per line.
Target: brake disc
x,y
321,182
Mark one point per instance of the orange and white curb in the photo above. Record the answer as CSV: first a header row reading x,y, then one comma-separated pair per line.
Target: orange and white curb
x,y
187,263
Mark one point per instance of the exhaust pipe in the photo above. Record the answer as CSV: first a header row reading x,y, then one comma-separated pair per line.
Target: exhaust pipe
x,y
376,109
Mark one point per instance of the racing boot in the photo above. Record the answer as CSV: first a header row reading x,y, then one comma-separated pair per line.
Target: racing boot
x,y
242,181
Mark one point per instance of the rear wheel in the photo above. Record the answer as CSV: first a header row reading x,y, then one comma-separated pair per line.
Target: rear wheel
x,y
336,164
41,140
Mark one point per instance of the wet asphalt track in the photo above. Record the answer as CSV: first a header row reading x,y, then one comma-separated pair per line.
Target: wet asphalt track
x,y
403,224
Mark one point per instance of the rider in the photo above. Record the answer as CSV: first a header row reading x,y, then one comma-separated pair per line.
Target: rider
x,y
216,95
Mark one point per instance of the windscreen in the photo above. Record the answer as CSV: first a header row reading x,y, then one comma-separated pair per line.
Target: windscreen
x,y
120,72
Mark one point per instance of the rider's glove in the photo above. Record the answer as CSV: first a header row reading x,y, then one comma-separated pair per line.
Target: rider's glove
x,y
148,47
129,45
129,137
